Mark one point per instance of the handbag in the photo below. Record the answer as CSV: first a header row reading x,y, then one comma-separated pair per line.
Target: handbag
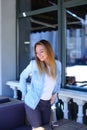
x,y
59,109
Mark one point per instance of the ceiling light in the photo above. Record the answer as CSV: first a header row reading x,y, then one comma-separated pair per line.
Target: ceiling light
x,y
24,14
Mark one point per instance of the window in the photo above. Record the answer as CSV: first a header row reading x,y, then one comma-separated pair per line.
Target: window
x,y
65,26
76,65
34,26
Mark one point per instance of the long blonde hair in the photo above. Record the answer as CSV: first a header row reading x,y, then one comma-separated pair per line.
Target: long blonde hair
x,y
51,59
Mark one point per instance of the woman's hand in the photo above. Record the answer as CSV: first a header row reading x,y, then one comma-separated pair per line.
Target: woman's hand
x,y
53,98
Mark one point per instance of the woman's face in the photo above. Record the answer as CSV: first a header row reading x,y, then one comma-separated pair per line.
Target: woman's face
x,y
41,53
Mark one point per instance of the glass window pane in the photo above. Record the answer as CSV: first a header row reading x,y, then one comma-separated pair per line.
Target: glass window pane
x,y
32,29
38,4
24,42
27,5
76,66
44,26
23,6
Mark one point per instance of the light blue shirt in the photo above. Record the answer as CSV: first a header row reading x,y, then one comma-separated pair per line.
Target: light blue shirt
x,y
32,97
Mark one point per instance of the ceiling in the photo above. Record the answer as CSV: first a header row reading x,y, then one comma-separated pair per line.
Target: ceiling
x,y
49,21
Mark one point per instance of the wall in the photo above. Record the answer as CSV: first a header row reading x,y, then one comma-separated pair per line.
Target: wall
x,y
7,45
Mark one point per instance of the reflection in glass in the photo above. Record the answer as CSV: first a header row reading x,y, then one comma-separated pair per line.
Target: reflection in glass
x,y
27,5
44,26
34,28
76,66
38,4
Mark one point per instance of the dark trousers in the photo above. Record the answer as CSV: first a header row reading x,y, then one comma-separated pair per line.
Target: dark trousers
x,y
41,115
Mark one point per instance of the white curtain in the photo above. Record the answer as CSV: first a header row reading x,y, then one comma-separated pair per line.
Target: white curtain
x,y
51,36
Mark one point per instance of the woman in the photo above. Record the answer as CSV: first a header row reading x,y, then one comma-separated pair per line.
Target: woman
x,y
45,84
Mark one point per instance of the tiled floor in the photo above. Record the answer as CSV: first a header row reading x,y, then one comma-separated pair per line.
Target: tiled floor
x,y
70,125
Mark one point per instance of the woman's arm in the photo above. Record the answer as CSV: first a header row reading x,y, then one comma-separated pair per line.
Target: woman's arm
x,y
23,77
53,98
